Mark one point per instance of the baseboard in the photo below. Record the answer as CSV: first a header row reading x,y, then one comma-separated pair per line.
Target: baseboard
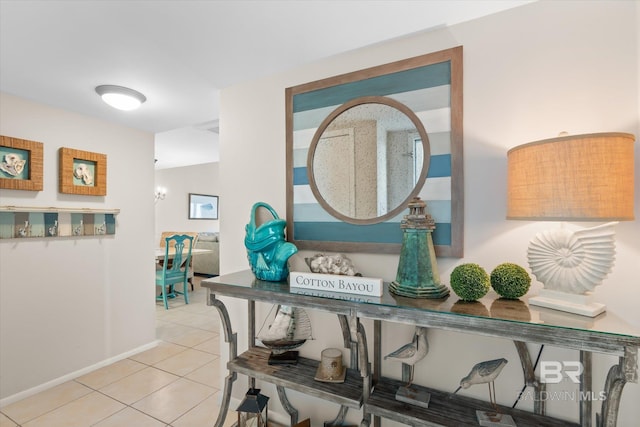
x,y
73,375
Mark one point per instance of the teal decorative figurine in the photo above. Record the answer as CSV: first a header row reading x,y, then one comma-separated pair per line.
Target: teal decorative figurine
x,y
417,275
267,250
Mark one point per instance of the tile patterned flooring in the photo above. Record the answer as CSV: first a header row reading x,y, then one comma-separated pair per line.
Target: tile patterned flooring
x,y
171,385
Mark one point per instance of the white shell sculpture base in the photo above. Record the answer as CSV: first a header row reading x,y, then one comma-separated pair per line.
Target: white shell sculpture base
x,y
570,265
572,303
494,420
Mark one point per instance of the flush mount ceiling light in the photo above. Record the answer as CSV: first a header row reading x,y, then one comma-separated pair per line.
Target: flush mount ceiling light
x,y
121,97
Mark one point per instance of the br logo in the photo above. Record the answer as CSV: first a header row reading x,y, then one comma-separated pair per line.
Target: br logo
x,y
552,372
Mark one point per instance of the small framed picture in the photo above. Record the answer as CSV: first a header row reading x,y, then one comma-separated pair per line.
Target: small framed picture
x,y
82,172
203,206
20,164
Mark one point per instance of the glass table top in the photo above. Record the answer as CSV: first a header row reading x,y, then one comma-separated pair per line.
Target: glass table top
x,y
489,307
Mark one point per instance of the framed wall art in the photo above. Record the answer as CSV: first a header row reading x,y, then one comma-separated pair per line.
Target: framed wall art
x,y
20,164
203,206
362,145
82,172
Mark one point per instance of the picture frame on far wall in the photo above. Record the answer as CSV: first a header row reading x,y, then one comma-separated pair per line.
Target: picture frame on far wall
x,y
82,172
203,206
21,163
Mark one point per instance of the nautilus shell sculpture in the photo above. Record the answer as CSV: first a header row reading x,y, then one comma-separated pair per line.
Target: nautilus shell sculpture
x,y
573,261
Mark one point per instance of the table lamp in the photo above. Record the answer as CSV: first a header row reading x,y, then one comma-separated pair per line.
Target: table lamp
x,y
586,177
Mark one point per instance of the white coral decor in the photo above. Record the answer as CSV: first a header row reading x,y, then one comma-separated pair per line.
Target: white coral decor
x,y
332,264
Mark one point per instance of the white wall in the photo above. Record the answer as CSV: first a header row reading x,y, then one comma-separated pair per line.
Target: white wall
x,y
68,304
172,212
529,73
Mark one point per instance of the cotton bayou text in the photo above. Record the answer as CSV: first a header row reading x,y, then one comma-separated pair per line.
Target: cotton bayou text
x,y
332,283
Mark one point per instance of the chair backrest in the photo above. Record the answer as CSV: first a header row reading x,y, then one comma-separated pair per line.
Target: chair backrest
x,y
165,234
182,243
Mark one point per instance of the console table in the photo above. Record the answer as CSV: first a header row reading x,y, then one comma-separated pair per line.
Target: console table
x,y
365,389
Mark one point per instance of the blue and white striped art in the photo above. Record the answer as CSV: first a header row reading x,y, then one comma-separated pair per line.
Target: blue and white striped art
x,y
425,90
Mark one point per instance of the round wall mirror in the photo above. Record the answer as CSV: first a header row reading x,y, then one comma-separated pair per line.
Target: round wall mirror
x,y
368,159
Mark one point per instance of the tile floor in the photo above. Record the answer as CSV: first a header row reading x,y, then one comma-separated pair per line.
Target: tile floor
x,y
171,385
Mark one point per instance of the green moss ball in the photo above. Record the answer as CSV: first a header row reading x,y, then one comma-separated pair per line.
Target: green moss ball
x,y
510,280
469,281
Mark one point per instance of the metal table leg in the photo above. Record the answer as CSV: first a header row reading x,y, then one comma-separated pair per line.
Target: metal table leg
x,y
625,371
232,339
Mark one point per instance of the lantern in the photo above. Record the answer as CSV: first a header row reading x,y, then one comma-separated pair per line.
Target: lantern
x,y
253,410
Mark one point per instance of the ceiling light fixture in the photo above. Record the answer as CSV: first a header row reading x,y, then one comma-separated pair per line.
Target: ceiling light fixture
x,y
121,97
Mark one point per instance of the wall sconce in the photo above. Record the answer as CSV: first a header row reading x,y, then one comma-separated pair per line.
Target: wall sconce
x,y
121,97
160,194
572,178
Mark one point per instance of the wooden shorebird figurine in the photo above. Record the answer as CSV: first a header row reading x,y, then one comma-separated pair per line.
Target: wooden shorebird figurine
x,y
413,352
484,372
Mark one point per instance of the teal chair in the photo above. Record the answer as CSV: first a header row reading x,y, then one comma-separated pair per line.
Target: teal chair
x,y
175,269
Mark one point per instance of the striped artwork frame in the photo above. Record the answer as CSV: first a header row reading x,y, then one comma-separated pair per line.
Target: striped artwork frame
x,y
431,86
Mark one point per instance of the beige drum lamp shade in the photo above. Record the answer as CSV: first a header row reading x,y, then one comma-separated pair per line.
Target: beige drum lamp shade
x,y
572,178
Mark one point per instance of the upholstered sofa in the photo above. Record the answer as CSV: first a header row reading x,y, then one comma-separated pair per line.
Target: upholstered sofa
x,y
207,263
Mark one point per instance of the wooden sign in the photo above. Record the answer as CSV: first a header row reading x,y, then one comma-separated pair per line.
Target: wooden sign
x,y
336,283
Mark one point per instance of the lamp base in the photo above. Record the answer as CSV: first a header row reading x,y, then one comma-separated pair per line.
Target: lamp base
x,y
571,303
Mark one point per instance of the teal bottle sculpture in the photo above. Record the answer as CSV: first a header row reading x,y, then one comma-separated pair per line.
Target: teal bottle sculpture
x,y
267,250
417,275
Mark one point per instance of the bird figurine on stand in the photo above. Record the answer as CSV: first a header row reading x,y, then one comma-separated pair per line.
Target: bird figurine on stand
x,y
487,372
410,354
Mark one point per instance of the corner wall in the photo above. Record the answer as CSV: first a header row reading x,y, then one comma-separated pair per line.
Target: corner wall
x,y
69,303
529,73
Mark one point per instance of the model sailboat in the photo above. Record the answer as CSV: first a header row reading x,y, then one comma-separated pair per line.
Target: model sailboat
x,y
290,328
